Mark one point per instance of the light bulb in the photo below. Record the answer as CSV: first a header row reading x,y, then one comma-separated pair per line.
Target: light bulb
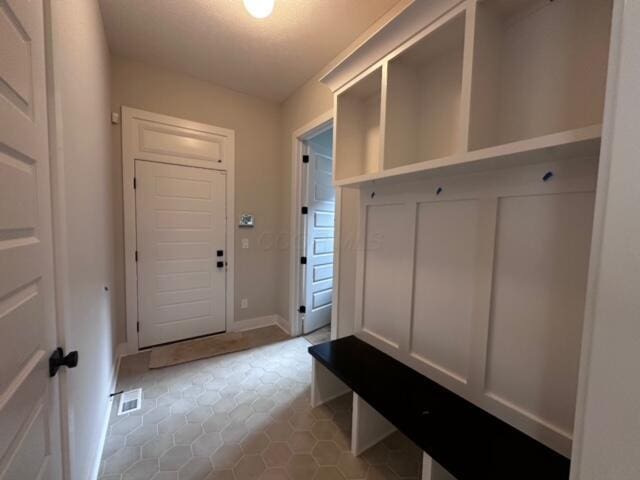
x,y
259,8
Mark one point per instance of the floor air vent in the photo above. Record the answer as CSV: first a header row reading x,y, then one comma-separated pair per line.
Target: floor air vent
x,y
130,401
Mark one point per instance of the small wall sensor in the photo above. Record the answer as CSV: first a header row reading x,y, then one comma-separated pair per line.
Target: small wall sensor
x,y
115,118
246,221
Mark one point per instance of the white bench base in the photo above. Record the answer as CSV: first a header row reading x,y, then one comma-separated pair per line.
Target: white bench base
x,y
431,470
325,386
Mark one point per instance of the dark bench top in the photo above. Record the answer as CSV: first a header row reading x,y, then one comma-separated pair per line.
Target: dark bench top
x,y
467,441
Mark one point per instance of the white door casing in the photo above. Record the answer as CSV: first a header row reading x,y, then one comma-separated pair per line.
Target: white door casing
x,y
29,407
320,222
296,232
175,141
181,232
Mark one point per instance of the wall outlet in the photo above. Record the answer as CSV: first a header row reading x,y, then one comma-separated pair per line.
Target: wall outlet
x,y
244,303
245,243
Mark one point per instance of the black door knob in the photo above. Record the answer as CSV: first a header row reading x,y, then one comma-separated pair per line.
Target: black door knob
x,y
59,359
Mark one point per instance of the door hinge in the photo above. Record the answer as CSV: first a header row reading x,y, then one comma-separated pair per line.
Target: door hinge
x,y
136,255
305,158
135,183
303,260
302,309
305,210
137,326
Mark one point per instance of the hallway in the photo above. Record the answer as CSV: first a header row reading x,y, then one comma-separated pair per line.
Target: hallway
x,y
241,416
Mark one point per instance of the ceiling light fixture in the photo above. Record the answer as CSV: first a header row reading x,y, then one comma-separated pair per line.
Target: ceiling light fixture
x,y
259,8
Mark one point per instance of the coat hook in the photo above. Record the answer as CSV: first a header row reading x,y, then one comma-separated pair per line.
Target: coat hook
x,y
438,190
373,194
547,176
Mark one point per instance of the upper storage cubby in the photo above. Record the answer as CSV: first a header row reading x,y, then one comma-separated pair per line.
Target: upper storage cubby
x,y
539,67
358,127
424,85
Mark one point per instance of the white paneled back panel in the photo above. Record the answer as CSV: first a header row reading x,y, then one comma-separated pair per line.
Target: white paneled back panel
x,y
478,281
385,266
444,283
539,282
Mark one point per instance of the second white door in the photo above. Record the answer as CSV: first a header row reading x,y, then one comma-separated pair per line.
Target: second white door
x,y
181,232
318,288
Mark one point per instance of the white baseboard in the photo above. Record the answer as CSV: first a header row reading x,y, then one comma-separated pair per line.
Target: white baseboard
x,y
121,350
284,324
259,322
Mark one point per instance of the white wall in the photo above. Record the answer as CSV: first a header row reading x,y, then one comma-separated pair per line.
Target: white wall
x,y
607,440
83,221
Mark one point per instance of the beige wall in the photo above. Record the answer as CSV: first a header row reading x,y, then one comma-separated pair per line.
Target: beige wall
x,y
307,103
83,196
257,126
263,171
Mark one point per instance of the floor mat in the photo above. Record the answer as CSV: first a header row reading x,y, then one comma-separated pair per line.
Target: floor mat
x,y
214,345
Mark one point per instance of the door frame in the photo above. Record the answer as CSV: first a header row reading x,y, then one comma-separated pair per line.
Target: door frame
x,y
129,155
296,231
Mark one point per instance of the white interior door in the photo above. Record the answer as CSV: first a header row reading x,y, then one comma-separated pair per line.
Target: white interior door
x,y
320,222
181,232
29,410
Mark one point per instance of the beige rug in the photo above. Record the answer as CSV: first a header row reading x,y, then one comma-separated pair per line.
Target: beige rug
x,y
206,347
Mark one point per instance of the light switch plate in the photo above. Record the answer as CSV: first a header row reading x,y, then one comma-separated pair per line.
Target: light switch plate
x,y
245,243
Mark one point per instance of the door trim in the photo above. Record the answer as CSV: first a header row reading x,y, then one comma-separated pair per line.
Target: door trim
x,y
129,154
296,232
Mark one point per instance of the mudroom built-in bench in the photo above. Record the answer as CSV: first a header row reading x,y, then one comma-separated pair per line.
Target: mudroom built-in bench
x,y
460,440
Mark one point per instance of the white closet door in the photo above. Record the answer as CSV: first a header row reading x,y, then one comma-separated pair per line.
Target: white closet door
x,y
320,232
29,411
181,229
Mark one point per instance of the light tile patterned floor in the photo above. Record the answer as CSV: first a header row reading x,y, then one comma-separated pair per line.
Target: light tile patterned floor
x,y
242,416
319,336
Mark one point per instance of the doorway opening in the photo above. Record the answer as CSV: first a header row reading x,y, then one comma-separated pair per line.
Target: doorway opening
x,y
316,235
313,232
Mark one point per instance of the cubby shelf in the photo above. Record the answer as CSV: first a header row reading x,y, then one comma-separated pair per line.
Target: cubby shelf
x,y
492,83
581,142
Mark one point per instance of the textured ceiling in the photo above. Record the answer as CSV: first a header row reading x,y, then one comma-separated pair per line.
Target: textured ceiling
x,y
218,41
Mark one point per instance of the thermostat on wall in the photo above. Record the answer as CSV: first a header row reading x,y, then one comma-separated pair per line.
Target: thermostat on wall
x,y
246,220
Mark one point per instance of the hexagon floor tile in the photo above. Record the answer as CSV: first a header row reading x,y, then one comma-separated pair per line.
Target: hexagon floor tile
x,y
242,416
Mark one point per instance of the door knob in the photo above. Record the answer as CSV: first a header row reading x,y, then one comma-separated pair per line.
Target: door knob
x,y
59,359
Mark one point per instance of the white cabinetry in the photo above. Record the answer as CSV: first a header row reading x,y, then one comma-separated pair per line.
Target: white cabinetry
x,y
474,142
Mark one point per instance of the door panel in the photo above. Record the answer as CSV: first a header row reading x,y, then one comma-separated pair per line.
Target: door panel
x,y
180,217
318,288
29,434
